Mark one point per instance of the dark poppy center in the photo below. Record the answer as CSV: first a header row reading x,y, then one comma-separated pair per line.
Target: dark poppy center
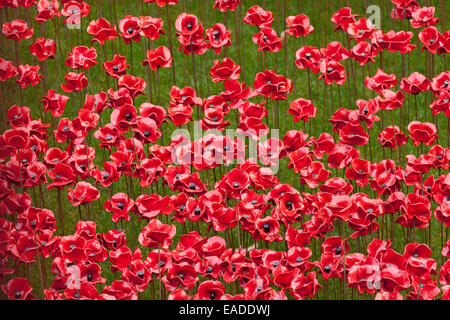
x,y
439,157
72,246
266,227
329,69
197,211
432,40
33,223
360,171
338,250
90,277
18,294
109,137
123,163
288,205
181,275
209,269
216,34
146,133
130,30
236,184
140,274
264,38
65,128
254,202
121,205
128,116
327,269
76,295
189,26
192,186
365,110
105,175
360,31
115,67
182,207
276,263
308,55
212,295
214,119
299,259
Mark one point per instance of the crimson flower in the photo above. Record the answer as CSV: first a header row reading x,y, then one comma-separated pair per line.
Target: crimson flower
x,y
257,16
29,75
302,109
157,58
130,29
430,38
117,67
83,193
157,234
218,37
224,5
7,70
150,27
102,30
43,48
425,132
267,40
74,82
268,83
299,26
119,205
82,57
415,83
225,69
332,71
17,30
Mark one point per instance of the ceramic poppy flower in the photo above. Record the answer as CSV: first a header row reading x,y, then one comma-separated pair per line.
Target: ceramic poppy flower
x,y
267,40
430,38
224,69
157,58
308,57
17,30
130,29
81,57
210,290
218,36
390,100
425,132
83,193
162,3
117,67
43,48
18,289
416,212
332,71
47,9
150,27
257,16
343,18
399,41
268,83
415,83
267,229
74,82
422,17
7,70
29,76
305,286
74,11
302,109
361,30
299,26
182,274
157,234
135,85
335,51
120,205
392,137
102,30
381,81
224,5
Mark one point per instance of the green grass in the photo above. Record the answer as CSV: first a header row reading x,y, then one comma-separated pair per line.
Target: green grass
x,y
319,15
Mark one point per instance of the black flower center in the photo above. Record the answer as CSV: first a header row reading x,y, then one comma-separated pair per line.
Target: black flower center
x,y
130,30
266,227
288,205
140,274
212,295
236,184
192,186
327,269
338,250
197,211
90,277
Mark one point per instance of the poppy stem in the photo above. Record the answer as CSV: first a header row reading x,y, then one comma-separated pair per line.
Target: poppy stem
x,y
169,36
60,211
159,272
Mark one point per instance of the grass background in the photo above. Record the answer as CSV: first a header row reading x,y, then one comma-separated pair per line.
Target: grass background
x,y
319,13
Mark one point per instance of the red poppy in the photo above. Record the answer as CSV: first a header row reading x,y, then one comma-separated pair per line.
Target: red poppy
x,y
218,37
225,69
381,81
430,38
120,206
224,5
308,57
335,51
43,48
416,212
332,71
74,11
135,85
268,83
299,26
343,18
117,67
415,83
17,30
423,17
74,82
7,70
361,29
130,29
81,57
83,193
47,9
267,40
425,132
157,234
302,109
102,30
29,75
157,58
389,100
257,16
305,286
18,289
150,27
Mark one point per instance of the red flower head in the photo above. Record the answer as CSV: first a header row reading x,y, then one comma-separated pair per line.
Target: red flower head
x,y
130,29
308,57
442,213
224,5
361,29
423,17
18,289
156,234
415,83
102,30
305,286
335,51
117,67
17,30
182,274
74,11
150,27
343,18
43,48
257,16
73,248
268,83
83,193
299,26
390,100
157,58
225,69
425,132
119,205
47,9
302,109
267,40
392,138
430,38
210,290
267,229
218,37
416,212
381,81
29,75
74,82
135,85
399,41
7,70
82,57
332,71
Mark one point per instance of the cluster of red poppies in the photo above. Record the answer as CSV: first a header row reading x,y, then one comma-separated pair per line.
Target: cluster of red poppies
x,y
251,235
